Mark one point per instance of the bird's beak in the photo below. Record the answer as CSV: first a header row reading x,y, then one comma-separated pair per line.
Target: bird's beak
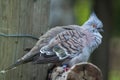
x,y
100,30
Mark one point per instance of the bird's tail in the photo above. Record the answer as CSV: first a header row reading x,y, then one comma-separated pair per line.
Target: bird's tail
x,y
25,59
13,66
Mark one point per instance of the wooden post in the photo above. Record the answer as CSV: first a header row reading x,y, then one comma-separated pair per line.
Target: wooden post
x,y
81,71
22,17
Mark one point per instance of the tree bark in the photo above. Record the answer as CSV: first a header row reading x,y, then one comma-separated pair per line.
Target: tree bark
x,y
22,17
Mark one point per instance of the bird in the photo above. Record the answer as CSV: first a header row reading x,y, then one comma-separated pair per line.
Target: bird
x,y
69,45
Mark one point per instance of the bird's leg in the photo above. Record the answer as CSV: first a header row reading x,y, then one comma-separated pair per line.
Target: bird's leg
x,y
65,67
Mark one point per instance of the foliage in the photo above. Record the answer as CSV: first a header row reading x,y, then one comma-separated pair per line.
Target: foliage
x,y
114,75
116,17
82,10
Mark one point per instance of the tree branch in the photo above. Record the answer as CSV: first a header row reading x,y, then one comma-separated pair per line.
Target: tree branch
x,y
81,71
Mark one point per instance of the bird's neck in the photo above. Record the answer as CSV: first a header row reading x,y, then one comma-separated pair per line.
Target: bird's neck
x,y
94,38
97,39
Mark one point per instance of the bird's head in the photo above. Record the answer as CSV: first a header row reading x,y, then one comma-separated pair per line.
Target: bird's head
x,y
94,22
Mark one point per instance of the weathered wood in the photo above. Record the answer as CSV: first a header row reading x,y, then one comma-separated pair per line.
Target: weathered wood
x,y
81,71
21,17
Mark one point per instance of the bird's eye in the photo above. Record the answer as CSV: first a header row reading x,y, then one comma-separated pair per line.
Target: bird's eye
x,y
94,26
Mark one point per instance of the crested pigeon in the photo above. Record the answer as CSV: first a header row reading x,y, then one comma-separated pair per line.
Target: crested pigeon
x,y
67,44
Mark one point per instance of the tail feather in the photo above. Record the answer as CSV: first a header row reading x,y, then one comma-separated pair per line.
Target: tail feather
x,y
20,62
53,59
36,59
13,66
